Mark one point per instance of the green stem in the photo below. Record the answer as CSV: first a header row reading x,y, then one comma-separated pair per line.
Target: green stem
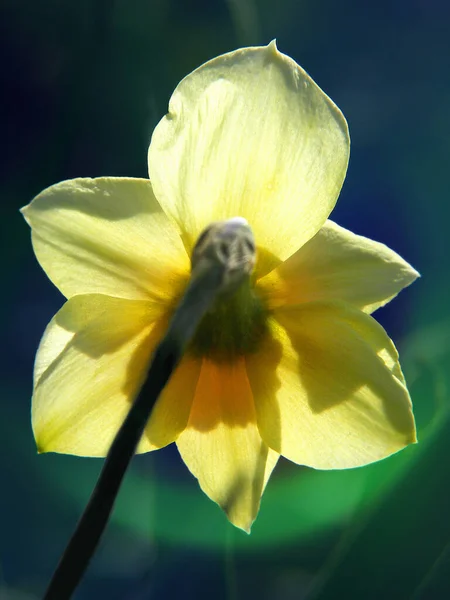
x,y
200,295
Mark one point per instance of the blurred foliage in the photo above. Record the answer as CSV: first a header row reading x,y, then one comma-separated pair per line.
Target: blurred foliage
x,y
84,83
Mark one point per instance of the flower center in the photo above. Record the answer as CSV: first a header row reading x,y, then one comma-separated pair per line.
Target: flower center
x,y
234,326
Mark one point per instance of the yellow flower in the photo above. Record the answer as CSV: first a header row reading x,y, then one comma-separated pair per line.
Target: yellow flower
x,y
294,365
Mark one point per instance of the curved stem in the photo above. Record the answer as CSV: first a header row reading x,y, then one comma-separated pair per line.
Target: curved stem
x,y
203,288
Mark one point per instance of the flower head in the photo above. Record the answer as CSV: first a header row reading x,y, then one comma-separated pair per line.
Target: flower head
x,y
292,363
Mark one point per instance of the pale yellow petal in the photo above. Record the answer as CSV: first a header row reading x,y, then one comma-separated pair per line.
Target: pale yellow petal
x,y
250,134
328,389
90,364
337,264
221,444
107,236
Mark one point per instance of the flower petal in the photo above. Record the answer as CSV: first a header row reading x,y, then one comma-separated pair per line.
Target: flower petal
x,y
90,364
328,388
221,444
337,264
250,134
107,236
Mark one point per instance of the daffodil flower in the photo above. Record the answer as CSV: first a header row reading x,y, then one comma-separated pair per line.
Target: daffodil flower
x,y
293,364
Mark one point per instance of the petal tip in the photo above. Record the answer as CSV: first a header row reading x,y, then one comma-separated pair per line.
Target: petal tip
x,y
24,212
44,442
272,48
246,527
40,448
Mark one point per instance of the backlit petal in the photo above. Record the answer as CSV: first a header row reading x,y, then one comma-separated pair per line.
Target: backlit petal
x,y
89,367
107,236
221,444
250,134
328,388
337,264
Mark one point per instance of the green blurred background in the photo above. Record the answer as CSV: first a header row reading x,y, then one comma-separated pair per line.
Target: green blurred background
x,y
83,83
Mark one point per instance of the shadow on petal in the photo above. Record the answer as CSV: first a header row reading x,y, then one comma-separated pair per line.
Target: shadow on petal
x,y
142,356
266,262
259,478
90,196
338,360
100,325
171,409
243,480
224,396
265,382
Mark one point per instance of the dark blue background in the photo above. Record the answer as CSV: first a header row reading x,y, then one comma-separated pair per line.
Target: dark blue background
x,y
82,86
